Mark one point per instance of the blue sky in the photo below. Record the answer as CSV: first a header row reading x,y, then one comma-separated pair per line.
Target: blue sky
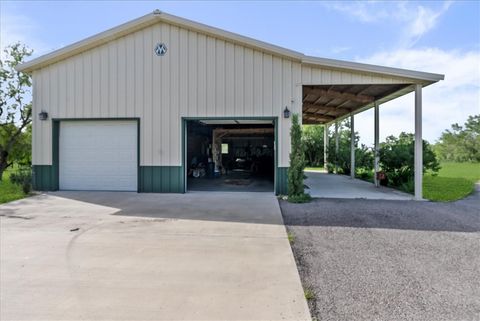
x,y
441,37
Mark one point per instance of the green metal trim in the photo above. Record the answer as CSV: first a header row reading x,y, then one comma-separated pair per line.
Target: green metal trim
x,y
282,181
275,125
276,157
184,172
55,154
138,154
161,179
55,183
43,178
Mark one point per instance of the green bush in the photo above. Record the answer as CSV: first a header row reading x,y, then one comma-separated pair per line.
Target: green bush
x,y
397,160
302,198
363,154
365,174
312,142
296,188
23,178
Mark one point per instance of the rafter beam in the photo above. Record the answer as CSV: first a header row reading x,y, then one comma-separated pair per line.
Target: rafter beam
x,y
364,99
318,116
326,108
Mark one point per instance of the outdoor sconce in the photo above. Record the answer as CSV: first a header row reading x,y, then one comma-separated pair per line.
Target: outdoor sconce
x,y
286,113
43,115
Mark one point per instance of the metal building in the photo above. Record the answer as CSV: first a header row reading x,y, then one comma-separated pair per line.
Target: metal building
x,y
161,102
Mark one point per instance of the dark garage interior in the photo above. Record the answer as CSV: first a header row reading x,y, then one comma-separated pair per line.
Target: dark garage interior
x,y
230,155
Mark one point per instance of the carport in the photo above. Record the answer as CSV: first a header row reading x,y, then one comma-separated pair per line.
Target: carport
x,y
327,105
324,185
124,86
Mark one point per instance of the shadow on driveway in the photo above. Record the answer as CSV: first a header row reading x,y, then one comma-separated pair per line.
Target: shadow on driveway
x,y
256,208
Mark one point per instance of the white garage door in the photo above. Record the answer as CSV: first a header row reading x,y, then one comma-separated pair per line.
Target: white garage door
x,y
98,155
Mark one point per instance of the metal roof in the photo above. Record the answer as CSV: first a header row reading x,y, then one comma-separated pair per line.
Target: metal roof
x,y
158,16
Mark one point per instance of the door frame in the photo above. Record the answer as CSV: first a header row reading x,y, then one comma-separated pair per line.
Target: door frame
x,y
56,143
184,121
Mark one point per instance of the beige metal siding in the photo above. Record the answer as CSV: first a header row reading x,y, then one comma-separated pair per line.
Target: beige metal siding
x,y
200,76
323,76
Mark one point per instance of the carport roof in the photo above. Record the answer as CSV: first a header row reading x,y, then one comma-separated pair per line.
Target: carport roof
x,y
324,104
159,16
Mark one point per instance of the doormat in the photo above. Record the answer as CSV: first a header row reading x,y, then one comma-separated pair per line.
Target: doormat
x,y
239,181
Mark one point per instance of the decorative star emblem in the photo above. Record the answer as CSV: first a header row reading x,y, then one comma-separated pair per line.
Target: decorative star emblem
x,y
160,49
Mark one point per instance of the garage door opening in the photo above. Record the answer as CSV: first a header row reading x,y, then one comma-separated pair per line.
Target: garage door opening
x,y
230,155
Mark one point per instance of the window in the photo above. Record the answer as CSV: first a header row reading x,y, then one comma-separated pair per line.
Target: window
x,y
224,148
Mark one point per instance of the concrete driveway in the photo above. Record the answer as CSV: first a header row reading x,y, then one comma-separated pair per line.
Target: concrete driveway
x,y
129,256
326,185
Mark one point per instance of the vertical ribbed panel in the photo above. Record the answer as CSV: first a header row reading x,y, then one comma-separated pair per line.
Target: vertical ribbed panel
x,y
161,179
282,184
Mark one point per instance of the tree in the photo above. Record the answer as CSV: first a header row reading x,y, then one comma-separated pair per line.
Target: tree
x,y
460,144
397,160
312,141
363,154
15,107
296,189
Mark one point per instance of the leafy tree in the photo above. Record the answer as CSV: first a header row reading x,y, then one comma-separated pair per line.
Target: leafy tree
x,y
363,154
15,109
461,143
312,141
296,189
397,160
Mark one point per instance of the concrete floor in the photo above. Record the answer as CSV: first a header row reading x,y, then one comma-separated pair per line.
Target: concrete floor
x,y
248,183
326,185
198,256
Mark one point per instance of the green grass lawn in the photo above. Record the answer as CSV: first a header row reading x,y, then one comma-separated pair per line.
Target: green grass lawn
x,y
315,169
8,191
453,182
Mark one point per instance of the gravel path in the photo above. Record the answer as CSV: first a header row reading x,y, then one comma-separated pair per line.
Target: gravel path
x,y
388,260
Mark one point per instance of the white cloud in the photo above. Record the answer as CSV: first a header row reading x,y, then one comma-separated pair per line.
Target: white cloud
x,y
20,28
423,21
446,102
364,11
415,20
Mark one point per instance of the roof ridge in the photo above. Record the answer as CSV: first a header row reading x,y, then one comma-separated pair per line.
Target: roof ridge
x,y
158,16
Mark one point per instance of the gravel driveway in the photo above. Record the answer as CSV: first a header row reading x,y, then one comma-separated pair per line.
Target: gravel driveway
x,y
388,260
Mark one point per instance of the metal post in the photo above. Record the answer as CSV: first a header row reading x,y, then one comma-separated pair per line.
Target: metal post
x,y
352,147
336,147
325,146
418,143
376,143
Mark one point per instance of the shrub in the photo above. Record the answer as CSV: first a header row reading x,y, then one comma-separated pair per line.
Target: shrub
x,y
22,177
302,198
296,188
363,154
312,141
397,160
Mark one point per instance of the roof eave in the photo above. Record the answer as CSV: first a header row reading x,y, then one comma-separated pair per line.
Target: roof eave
x,y
157,16
88,43
145,21
381,70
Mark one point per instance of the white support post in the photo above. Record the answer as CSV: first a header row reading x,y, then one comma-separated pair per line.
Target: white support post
x,y
352,147
376,148
325,146
418,143
336,147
